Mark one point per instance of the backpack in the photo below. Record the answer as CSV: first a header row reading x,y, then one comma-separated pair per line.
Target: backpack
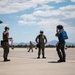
x,y
63,35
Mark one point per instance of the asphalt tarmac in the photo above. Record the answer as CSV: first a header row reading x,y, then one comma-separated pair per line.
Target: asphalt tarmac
x,y
26,63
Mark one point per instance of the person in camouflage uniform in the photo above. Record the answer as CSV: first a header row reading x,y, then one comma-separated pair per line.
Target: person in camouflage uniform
x,y
5,44
30,47
41,40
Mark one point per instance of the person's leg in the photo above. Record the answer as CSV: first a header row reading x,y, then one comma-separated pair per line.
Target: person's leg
x,y
43,53
6,52
63,52
29,50
59,52
39,52
32,49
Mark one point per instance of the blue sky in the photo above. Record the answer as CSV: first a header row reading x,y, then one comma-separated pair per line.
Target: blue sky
x,y
27,17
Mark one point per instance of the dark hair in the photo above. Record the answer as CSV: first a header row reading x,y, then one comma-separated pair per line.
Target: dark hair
x,y
59,27
41,31
6,28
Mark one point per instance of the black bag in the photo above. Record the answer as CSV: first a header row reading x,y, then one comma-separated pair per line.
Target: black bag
x,y
37,45
2,42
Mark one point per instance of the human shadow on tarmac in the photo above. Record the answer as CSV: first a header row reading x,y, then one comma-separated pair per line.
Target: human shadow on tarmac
x,y
61,62
39,58
53,62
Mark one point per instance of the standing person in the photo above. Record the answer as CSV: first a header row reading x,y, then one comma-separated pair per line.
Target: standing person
x,y
30,47
5,44
41,40
62,36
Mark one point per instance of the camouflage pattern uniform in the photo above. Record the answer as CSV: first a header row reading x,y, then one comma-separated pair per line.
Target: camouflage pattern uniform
x,y
30,47
5,45
41,40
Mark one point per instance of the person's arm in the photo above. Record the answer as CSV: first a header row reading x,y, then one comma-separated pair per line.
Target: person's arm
x,y
45,39
5,32
36,39
57,33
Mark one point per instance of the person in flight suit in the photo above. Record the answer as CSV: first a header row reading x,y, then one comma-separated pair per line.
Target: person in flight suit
x,y
6,44
30,47
41,40
60,45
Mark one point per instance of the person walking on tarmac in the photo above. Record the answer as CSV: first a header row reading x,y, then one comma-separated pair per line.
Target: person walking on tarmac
x,y
30,47
5,44
62,35
41,40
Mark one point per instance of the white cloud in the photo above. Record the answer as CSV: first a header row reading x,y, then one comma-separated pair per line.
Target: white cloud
x,y
28,17
4,25
50,18
68,11
47,13
45,1
12,6
42,22
68,8
30,23
45,7
21,22
73,0
65,12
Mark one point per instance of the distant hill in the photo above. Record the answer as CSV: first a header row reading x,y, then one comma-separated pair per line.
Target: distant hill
x,y
54,42
15,43
70,44
22,43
